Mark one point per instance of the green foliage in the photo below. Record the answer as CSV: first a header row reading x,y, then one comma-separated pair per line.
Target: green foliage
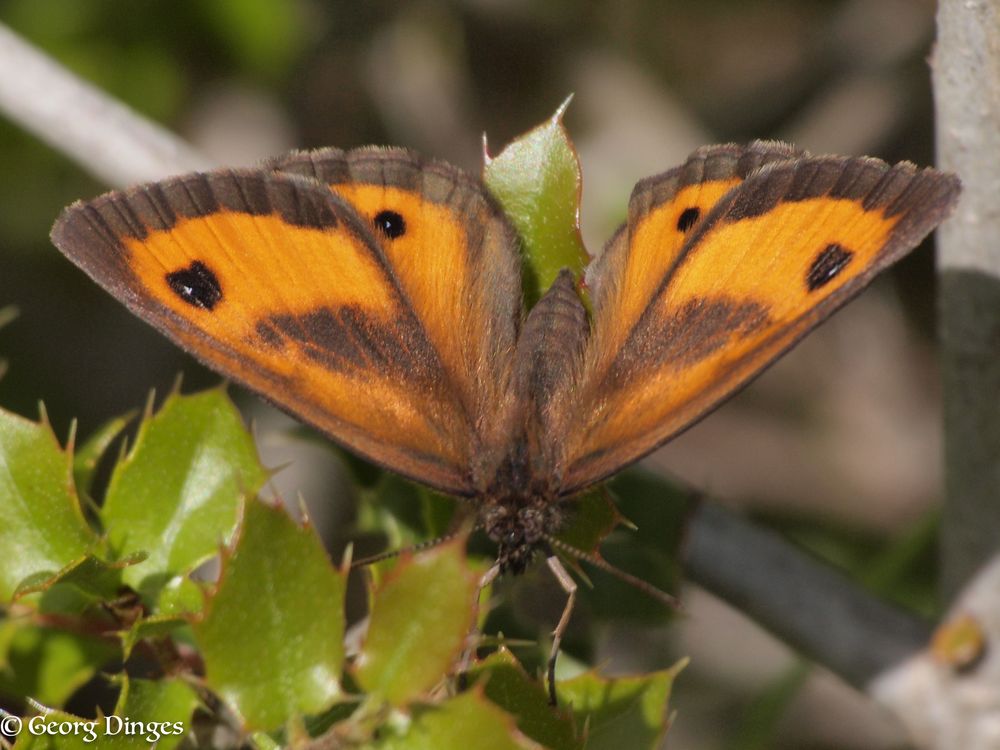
x,y
93,588
420,617
270,633
43,527
176,494
537,180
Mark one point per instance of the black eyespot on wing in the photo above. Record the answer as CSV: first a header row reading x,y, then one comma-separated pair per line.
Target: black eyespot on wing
x,y
687,218
827,265
390,223
196,285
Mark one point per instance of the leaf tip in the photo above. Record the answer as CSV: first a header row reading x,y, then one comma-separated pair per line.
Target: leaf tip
x,y
558,115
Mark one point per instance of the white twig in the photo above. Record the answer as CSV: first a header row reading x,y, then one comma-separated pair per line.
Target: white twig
x,y
967,95
948,696
112,142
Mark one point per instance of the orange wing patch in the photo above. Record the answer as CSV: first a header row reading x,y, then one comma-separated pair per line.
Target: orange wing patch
x,y
277,283
777,254
663,211
456,259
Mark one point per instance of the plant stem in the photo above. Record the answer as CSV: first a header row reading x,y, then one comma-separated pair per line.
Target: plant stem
x,y
966,69
806,603
105,137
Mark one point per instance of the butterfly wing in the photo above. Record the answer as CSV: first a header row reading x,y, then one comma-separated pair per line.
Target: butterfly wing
x,y
724,293
283,286
456,257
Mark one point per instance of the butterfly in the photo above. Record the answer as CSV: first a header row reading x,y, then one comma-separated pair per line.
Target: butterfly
x,y
376,295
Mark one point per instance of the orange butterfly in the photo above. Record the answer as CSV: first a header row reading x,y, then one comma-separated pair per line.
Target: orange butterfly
x,y
376,295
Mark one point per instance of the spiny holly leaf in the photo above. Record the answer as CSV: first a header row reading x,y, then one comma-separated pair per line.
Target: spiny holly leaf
x,y
657,508
42,528
272,633
176,495
622,712
466,721
181,596
594,517
94,577
404,512
48,664
163,706
89,454
87,736
148,628
421,615
656,512
537,180
506,684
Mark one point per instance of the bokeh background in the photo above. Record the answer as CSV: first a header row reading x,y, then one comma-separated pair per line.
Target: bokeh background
x,y
838,444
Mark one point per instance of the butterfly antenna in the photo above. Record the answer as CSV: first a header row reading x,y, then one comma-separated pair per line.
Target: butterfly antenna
x,y
364,561
644,586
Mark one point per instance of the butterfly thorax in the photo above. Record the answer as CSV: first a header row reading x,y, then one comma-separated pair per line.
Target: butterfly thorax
x,y
519,526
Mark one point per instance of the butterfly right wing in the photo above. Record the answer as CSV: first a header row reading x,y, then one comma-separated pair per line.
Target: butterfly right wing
x,y
773,257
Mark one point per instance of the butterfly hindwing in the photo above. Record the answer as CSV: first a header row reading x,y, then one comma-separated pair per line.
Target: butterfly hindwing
x,y
284,287
776,254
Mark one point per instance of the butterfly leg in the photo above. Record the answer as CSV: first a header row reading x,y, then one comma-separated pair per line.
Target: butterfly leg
x,y
473,638
569,586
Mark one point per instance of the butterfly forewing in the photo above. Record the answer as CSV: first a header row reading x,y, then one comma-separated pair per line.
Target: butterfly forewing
x,y
282,286
775,256
663,211
455,255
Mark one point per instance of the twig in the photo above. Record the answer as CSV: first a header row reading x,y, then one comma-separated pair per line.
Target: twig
x,y
112,142
803,601
949,696
966,70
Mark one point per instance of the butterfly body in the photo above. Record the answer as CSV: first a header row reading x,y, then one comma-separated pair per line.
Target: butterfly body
x,y
377,296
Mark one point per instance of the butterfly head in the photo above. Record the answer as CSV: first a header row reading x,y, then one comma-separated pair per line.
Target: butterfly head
x,y
519,526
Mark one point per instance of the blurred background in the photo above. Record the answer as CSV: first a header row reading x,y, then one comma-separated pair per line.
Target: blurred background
x,y
837,445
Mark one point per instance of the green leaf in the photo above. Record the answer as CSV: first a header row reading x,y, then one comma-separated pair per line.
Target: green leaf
x,y
623,712
594,517
272,634
467,721
89,454
164,706
181,596
420,618
48,664
506,684
87,736
404,512
149,628
43,528
89,574
537,180
175,496
657,508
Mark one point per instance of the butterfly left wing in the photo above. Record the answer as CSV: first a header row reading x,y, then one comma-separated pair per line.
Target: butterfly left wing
x,y
778,253
454,254
280,285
